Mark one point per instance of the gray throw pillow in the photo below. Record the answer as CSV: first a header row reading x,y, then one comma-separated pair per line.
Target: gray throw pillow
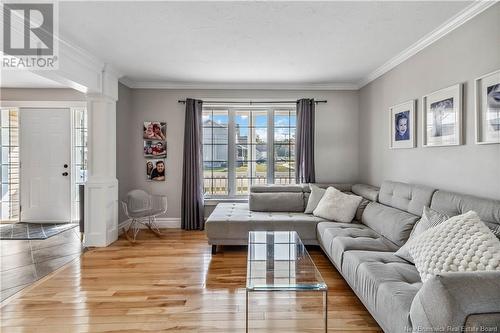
x,y
314,198
361,208
430,219
496,231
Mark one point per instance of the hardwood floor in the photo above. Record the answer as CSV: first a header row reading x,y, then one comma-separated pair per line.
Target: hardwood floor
x,y
175,285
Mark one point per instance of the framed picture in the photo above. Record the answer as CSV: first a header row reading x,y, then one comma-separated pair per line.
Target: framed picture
x,y
155,149
154,130
442,117
402,125
487,91
155,170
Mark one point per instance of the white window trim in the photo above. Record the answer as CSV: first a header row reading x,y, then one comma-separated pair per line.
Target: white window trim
x,y
231,109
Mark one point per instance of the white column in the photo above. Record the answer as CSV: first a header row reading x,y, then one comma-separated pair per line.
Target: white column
x,y
101,188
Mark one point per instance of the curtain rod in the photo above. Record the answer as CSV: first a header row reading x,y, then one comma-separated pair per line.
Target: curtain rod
x,y
183,101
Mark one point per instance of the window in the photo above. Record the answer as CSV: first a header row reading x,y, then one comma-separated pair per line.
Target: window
x,y
247,145
215,152
284,146
9,119
80,151
251,148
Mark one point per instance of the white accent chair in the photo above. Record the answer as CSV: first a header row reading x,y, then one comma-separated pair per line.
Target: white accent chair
x,y
140,207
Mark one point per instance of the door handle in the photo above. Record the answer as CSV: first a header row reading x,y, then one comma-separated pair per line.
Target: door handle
x,y
65,174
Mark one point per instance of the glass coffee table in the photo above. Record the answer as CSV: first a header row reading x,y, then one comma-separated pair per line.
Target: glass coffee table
x,y
278,261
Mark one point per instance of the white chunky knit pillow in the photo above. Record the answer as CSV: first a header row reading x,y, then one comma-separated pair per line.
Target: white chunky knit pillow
x,y
462,243
337,206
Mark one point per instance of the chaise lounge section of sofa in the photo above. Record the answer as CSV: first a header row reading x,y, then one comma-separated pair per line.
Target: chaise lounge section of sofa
x,y
273,207
363,251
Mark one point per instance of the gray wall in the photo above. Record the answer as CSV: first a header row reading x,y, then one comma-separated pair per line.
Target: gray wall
x,y
336,134
465,54
123,127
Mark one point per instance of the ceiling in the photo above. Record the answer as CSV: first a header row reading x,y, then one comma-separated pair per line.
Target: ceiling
x,y
251,43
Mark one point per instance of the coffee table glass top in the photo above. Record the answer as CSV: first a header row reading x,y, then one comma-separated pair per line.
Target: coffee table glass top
x,y
277,260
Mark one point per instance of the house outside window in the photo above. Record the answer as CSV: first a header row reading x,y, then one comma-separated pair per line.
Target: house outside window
x,y
243,146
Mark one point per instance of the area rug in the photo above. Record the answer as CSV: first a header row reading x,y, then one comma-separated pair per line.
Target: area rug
x,y
23,230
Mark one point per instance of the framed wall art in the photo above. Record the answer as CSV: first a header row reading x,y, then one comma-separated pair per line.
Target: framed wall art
x,y
442,117
154,130
402,125
154,134
155,149
155,169
487,100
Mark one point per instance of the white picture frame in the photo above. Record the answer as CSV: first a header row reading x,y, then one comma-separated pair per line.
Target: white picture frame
x,y
442,117
402,125
487,118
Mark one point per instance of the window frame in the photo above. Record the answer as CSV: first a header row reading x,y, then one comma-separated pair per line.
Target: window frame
x,y
232,152
79,152
12,165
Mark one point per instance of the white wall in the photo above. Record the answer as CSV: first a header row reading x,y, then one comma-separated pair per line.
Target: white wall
x,y
465,54
40,94
336,134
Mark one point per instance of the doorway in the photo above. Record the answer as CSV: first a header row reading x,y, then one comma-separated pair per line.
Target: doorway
x,y
52,144
45,156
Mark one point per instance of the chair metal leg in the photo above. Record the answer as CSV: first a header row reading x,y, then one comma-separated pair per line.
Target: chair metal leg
x,y
151,224
134,225
136,229
126,231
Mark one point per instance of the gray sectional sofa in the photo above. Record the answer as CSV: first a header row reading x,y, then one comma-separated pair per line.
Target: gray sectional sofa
x,y
363,251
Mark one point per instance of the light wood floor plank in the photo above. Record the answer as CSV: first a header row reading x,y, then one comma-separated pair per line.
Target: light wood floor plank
x,y
174,284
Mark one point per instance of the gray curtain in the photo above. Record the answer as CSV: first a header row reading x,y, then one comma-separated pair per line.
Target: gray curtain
x,y
192,215
304,148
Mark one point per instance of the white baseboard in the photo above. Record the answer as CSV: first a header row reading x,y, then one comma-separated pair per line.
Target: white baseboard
x,y
163,222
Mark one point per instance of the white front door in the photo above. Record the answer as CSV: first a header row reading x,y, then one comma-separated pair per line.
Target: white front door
x,y
45,154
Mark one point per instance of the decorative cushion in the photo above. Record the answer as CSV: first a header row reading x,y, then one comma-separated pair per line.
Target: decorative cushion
x,y
337,206
314,198
496,231
462,243
361,209
430,218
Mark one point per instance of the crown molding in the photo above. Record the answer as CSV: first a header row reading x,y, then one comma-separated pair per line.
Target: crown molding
x,y
235,86
126,81
456,21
